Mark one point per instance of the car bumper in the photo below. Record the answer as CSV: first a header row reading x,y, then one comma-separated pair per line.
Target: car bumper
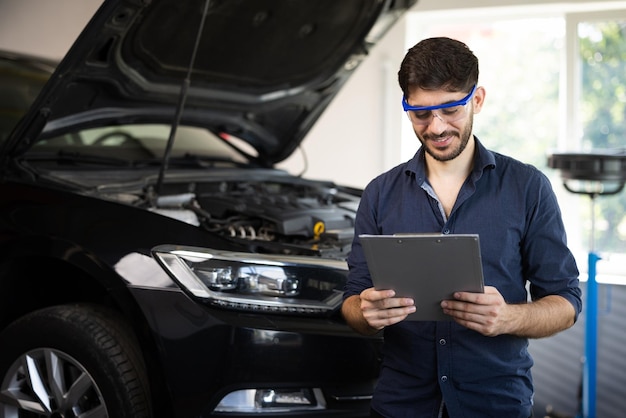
x,y
210,357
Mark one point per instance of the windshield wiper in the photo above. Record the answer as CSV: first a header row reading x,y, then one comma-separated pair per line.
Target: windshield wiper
x,y
76,158
204,161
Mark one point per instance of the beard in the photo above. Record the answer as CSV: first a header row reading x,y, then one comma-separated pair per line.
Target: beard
x,y
455,149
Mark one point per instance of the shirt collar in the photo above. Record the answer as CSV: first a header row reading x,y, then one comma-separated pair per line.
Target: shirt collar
x,y
483,159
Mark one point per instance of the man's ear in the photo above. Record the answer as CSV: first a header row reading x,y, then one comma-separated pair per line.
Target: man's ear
x,y
478,99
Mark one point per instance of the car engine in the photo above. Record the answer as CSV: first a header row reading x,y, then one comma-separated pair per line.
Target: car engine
x,y
305,218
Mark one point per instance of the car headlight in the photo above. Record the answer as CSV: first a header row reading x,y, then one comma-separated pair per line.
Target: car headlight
x,y
256,282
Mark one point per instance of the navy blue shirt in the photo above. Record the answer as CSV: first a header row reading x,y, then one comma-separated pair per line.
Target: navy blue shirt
x,y
513,208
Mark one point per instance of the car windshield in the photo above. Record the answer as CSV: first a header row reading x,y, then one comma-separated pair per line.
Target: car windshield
x,y
132,145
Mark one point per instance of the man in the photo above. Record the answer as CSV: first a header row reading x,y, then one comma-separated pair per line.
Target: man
x,y
476,364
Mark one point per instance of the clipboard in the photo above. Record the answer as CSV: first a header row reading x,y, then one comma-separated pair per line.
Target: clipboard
x,y
426,267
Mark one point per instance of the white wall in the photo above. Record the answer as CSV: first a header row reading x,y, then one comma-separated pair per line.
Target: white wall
x,y
43,27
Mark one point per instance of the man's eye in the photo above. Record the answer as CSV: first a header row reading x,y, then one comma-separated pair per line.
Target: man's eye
x,y
425,114
451,110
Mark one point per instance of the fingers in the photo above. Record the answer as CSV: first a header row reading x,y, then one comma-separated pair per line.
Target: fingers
x,y
383,299
490,296
482,312
373,295
380,308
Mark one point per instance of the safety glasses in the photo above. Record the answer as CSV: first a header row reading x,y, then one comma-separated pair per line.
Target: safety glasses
x,y
447,112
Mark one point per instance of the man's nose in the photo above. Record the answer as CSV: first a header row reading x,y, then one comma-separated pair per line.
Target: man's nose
x,y
437,123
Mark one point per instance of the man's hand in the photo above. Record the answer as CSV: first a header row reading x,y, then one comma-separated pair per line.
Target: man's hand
x,y
373,310
489,314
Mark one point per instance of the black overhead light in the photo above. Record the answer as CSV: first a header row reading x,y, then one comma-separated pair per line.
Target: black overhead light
x,y
593,173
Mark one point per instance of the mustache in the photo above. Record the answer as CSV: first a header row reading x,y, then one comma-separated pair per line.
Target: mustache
x,y
444,134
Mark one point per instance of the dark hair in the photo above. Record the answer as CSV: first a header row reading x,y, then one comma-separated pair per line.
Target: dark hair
x,y
438,63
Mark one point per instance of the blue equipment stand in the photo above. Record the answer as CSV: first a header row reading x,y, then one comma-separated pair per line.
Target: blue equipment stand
x,y
590,358
591,341
591,308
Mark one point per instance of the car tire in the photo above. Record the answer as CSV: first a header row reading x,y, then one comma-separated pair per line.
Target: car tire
x,y
70,360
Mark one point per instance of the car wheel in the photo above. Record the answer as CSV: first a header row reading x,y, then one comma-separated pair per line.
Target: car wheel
x,y
71,361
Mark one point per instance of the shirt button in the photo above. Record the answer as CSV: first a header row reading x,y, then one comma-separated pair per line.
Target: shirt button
x,y
444,378
442,341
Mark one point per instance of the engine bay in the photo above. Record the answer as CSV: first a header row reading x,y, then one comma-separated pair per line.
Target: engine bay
x,y
301,217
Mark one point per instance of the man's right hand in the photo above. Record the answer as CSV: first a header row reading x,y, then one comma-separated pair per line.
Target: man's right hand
x,y
373,310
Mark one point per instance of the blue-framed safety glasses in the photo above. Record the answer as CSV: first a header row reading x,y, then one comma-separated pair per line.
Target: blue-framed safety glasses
x,y
446,112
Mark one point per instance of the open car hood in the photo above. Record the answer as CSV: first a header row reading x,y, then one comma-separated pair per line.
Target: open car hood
x,y
263,70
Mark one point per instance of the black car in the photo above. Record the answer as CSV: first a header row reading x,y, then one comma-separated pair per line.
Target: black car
x,y
153,260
